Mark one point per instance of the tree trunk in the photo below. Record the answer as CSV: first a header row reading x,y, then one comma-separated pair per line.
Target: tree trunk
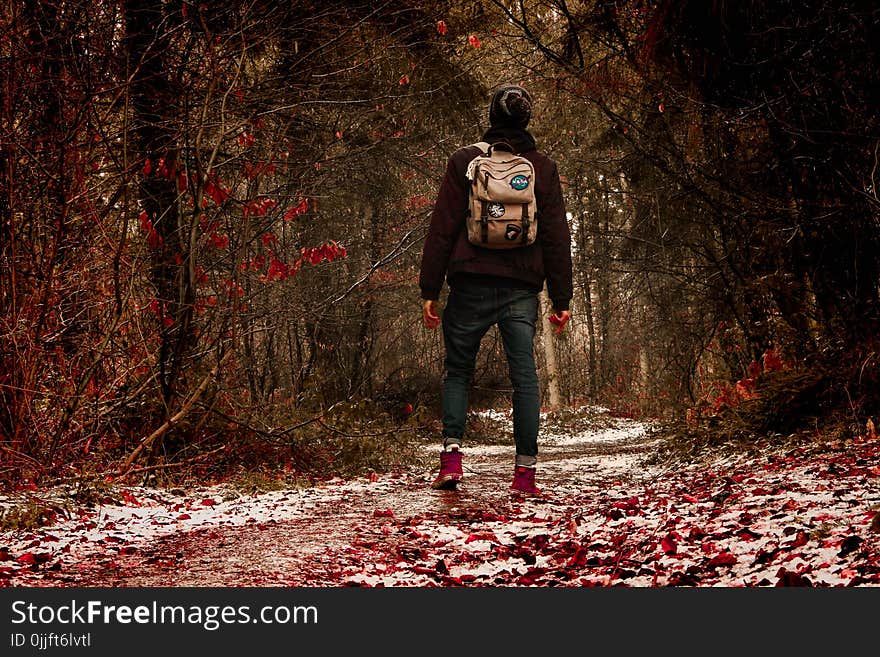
x,y
551,366
156,111
588,311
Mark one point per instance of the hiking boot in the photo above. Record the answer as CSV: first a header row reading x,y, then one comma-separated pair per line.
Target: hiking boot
x,y
450,470
524,481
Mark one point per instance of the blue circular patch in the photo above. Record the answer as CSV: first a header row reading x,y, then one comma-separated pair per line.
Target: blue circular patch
x,y
519,182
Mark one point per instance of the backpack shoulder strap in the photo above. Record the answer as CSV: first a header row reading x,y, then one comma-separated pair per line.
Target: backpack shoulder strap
x,y
484,152
502,146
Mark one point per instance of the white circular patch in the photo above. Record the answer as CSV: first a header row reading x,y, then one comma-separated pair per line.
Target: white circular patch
x,y
496,210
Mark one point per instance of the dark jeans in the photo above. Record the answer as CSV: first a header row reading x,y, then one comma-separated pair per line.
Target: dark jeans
x,y
470,311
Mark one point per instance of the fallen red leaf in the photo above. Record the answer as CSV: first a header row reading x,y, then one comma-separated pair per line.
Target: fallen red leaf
x,y
579,558
849,544
789,578
723,559
668,543
482,536
130,499
695,534
747,535
801,539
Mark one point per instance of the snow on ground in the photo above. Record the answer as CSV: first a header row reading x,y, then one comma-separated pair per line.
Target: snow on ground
x,y
801,516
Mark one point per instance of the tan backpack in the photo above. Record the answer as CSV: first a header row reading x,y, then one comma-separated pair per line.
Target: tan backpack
x,y
503,209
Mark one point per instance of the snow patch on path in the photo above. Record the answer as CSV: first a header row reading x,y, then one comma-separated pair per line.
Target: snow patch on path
x,y
805,516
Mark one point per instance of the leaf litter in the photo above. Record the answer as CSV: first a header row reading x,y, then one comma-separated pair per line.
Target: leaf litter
x,y
610,516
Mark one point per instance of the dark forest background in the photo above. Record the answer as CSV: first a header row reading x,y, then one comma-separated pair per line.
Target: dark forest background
x,y
212,214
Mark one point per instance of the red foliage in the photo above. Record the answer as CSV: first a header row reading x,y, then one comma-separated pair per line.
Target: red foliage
x,y
252,171
218,240
417,202
330,252
258,207
726,395
772,361
154,239
215,189
301,208
277,270
234,289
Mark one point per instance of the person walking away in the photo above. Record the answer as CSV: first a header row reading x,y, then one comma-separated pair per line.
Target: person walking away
x,y
495,286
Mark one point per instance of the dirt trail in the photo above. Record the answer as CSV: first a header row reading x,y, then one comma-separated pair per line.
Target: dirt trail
x,y
325,536
792,517
331,542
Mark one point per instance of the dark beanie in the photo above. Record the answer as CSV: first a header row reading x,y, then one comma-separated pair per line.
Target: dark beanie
x,y
511,106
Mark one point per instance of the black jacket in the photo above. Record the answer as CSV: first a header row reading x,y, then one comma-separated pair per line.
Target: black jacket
x,y
448,254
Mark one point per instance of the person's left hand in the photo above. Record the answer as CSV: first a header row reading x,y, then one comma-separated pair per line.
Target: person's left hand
x,y
429,314
560,318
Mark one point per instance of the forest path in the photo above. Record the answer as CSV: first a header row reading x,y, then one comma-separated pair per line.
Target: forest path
x,y
802,517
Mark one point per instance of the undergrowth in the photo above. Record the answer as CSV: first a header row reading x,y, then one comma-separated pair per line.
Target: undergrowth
x,y
28,515
788,408
256,449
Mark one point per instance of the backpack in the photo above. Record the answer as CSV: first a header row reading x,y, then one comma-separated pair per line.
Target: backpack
x,y
502,206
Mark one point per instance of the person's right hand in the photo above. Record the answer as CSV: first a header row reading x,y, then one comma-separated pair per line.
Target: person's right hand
x,y
429,314
560,318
